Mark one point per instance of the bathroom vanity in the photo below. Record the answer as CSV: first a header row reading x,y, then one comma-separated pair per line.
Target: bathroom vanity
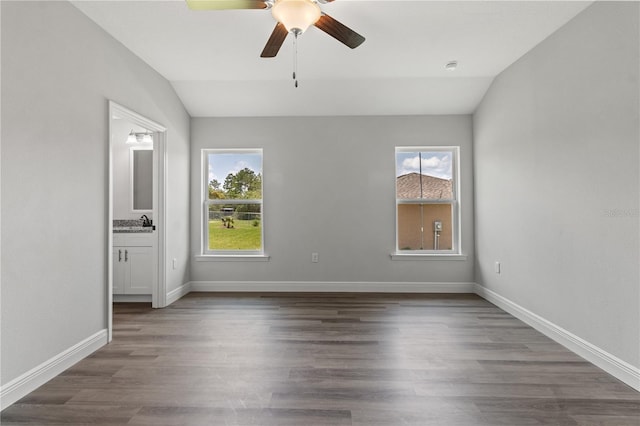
x,y
134,269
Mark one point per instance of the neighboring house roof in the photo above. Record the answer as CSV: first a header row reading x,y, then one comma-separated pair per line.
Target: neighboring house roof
x,y
408,187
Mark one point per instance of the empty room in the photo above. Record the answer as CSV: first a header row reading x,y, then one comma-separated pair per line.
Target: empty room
x,y
318,212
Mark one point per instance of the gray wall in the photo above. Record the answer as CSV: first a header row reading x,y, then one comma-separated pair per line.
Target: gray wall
x,y
58,71
557,182
329,188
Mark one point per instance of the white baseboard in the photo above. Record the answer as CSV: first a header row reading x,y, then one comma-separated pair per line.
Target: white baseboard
x,y
132,298
330,287
595,355
36,377
176,294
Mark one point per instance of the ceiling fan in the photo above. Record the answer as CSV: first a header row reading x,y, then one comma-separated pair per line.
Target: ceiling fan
x,y
292,16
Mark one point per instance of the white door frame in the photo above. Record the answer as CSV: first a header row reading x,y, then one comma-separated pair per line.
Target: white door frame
x,y
159,292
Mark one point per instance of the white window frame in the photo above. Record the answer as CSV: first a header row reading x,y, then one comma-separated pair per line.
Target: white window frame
x,y
455,252
231,255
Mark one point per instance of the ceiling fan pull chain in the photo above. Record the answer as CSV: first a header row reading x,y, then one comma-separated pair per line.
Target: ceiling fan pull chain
x,y
295,58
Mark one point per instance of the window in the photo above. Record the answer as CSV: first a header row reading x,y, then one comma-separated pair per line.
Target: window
x,y
427,216
232,207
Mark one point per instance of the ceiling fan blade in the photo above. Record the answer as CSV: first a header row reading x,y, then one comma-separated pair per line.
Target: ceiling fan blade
x,y
275,41
339,31
225,4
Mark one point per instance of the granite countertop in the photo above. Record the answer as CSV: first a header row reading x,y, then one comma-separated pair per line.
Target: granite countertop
x,y
130,226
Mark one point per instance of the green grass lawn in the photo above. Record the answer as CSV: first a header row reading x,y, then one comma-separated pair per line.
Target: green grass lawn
x,y
243,236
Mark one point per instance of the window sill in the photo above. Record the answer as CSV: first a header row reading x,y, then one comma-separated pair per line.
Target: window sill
x,y
232,258
423,256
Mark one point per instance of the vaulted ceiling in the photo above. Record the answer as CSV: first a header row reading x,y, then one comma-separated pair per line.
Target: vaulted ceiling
x,y
212,57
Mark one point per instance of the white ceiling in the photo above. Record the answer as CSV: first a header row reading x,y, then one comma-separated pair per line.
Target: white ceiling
x,y
212,57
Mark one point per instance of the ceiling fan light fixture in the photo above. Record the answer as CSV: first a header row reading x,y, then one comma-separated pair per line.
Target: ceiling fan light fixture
x,y
296,15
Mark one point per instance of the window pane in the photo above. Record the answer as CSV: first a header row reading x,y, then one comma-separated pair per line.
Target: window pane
x,y
235,227
418,230
424,175
235,175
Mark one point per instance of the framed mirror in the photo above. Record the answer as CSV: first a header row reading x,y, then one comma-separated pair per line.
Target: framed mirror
x,y
141,162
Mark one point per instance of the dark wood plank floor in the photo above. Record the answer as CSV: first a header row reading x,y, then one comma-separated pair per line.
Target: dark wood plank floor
x,y
318,359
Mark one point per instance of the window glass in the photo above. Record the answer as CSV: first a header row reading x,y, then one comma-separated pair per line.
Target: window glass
x,y
233,201
426,199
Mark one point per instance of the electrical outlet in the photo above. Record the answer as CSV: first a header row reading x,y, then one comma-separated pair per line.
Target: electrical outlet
x,y
175,263
496,267
314,257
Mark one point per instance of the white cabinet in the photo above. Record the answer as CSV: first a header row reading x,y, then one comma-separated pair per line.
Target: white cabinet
x,y
133,264
118,270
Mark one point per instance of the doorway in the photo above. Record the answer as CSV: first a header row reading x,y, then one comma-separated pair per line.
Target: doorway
x,y
136,217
